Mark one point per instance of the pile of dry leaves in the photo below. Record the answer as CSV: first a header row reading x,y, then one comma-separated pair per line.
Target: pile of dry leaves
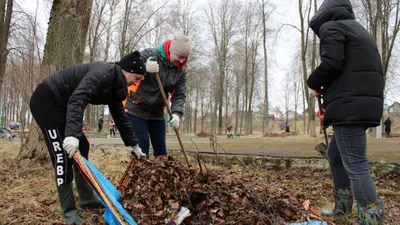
x,y
161,186
282,134
392,135
204,134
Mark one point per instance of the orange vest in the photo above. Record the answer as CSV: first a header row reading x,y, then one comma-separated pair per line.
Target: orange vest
x,y
133,89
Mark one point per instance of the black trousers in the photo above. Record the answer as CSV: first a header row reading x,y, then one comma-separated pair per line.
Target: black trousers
x,y
112,132
51,118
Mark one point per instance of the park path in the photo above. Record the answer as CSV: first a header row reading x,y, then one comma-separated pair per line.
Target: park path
x,y
382,150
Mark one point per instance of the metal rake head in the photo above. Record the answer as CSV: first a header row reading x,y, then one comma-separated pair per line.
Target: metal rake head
x,y
321,148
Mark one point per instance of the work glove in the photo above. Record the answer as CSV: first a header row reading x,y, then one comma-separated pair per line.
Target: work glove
x,y
174,122
138,152
70,144
152,65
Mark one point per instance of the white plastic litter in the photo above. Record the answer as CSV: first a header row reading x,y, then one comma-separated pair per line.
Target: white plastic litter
x,y
185,212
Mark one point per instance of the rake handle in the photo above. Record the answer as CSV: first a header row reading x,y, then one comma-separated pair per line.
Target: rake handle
x,y
320,109
170,116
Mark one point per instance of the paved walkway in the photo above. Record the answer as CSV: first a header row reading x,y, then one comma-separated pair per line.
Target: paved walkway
x,y
385,150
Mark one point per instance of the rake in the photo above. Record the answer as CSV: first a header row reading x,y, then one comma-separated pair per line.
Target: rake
x,y
321,148
160,86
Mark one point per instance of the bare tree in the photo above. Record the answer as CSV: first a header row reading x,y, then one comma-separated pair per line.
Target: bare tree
x,y
297,92
130,35
6,9
239,76
251,35
96,28
304,42
383,16
264,19
288,93
110,26
221,19
254,41
183,20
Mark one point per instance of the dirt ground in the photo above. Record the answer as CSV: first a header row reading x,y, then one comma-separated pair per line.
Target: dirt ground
x,y
28,194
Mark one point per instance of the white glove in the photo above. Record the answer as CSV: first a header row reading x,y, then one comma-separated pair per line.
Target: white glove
x,y
70,144
138,152
174,122
152,66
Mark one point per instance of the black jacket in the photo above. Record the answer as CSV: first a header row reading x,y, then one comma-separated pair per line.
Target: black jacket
x,y
351,69
94,83
147,102
388,124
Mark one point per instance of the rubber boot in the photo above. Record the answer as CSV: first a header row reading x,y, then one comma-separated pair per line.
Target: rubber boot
x,y
343,203
67,202
87,198
370,213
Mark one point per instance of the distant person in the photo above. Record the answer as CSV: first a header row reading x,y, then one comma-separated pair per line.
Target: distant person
x,y
111,125
287,127
230,131
100,122
388,124
350,79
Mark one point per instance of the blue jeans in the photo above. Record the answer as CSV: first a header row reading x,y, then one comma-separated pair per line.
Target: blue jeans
x,y
347,155
153,128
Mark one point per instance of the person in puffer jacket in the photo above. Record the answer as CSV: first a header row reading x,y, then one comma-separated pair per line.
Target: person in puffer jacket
x,y
58,104
350,79
145,105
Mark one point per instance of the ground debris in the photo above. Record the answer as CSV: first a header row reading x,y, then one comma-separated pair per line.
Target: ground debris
x,y
160,186
281,134
204,134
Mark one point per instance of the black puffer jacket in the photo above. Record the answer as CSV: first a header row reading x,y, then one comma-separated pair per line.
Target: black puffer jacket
x,y
94,83
350,71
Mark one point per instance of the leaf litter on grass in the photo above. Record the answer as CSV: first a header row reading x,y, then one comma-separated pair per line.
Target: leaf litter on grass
x,y
160,186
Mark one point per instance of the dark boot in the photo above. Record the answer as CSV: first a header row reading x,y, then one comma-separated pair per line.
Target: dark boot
x,y
67,202
370,213
87,198
343,203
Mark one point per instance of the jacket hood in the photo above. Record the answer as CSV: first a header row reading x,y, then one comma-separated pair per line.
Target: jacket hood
x,y
331,10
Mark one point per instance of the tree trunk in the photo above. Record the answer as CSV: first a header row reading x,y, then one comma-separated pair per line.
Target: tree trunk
x,y
309,97
265,124
5,15
226,105
202,111
221,100
195,112
65,45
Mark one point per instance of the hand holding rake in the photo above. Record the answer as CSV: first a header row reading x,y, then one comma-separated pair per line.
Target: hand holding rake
x,y
321,148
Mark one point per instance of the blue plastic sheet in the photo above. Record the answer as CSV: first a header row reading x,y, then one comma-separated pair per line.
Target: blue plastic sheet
x,y
114,197
314,222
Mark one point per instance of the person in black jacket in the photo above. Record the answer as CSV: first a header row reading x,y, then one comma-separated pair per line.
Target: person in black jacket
x,y
145,105
388,124
350,78
100,122
58,104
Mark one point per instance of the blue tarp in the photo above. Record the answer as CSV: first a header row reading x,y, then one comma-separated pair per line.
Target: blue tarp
x,y
314,222
114,197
